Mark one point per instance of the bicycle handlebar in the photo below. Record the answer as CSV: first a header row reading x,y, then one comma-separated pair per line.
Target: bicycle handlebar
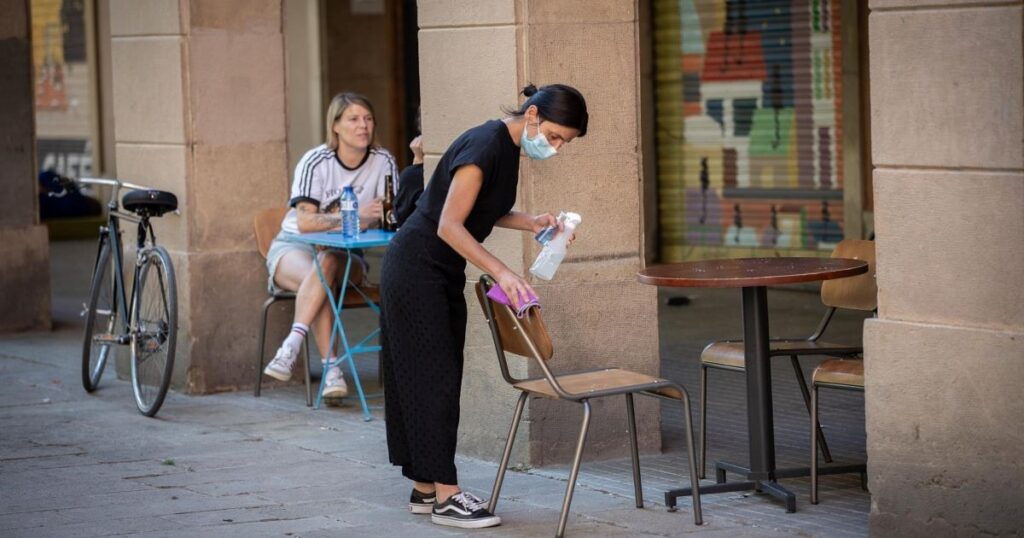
x,y
112,182
66,182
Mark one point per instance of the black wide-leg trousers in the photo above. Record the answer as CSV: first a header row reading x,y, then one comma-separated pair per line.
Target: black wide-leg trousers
x,y
423,332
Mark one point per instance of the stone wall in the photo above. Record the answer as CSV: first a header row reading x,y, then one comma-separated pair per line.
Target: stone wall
x,y
24,247
945,358
199,110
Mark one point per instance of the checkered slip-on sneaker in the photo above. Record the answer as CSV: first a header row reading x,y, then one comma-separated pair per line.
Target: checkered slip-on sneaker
x,y
421,503
463,510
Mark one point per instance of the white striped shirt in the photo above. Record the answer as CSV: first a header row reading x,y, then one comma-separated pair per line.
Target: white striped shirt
x,y
320,177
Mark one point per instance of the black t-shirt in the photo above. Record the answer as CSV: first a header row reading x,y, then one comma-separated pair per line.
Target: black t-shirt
x,y
489,147
410,187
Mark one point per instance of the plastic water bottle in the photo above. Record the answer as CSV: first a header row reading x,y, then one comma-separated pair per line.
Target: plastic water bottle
x,y
551,256
349,214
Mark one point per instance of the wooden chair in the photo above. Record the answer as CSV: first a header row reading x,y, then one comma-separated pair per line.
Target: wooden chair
x,y
855,293
266,225
846,374
527,336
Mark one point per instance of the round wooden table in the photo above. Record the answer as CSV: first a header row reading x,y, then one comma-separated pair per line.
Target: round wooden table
x,y
752,275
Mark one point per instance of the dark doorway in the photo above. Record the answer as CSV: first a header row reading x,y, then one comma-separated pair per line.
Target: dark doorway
x,y
372,48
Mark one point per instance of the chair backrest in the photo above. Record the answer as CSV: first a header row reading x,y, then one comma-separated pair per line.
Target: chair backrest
x,y
859,292
526,336
267,224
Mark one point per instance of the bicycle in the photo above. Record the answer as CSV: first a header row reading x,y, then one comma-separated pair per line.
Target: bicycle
x,y
150,326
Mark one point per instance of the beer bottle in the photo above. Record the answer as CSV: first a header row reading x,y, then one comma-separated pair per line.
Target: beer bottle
x,y
388,222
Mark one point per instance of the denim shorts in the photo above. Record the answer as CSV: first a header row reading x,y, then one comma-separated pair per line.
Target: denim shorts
x,y
286,242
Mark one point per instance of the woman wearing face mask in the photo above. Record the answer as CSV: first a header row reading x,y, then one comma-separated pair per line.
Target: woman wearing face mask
x,y
423,322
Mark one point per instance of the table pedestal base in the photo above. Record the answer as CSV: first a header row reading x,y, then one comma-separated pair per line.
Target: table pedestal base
x,y
759,484
766,486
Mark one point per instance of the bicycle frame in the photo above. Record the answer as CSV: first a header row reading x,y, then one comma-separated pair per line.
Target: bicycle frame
x,y
144,329
111,234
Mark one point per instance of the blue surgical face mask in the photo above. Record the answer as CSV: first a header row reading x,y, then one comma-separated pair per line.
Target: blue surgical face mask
x,y
537,147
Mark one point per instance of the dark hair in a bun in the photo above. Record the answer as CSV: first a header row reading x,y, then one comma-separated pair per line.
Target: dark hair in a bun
x,y
556,103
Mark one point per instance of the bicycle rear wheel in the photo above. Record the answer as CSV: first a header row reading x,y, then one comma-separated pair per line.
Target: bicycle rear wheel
x,y
100,321
154,330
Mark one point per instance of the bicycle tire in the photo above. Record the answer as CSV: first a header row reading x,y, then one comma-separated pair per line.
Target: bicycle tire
x,y
154,330
100,318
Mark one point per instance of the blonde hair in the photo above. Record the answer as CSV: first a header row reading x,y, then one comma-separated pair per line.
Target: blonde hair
x,y
339,104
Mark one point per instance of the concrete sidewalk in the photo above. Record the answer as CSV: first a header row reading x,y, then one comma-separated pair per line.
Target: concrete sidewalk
x,y
81,465
74,464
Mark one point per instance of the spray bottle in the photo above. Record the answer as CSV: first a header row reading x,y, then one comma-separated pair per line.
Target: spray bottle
x,y
551,255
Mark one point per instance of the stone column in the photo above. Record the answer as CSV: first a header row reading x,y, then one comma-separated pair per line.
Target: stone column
x,y
944,361
474,57
24,247
199,110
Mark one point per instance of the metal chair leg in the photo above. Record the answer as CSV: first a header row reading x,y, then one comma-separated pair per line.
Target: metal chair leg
x,y
825,452
309,383
493,503
263,337
634,451
564,517
702,451
814,445
698,514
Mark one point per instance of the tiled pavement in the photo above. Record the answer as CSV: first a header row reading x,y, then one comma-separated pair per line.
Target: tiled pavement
x,y
232,465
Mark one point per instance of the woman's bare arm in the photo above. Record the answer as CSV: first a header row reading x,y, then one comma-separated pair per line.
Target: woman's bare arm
x,y
310,219
517,220
462,196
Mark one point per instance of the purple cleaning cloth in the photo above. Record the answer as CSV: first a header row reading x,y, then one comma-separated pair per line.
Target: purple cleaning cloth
x,y
498,295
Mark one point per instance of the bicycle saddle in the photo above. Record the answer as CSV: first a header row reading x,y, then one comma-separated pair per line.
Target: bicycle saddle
x,y
150,203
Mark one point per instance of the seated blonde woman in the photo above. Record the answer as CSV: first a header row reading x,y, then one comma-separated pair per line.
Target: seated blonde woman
x,y
349,158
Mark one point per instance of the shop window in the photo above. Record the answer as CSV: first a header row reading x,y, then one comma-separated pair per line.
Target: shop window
x,y
65,100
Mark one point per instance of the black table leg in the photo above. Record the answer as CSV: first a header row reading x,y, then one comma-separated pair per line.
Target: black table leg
x,y
759,384
760,476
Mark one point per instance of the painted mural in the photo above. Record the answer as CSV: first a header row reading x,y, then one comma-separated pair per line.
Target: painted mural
x,y
750,127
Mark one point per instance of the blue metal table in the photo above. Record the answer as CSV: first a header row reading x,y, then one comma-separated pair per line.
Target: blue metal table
x,y
334,240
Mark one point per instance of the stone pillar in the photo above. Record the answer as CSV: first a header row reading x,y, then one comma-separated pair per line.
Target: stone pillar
x,y
474,57
944,360
24,247
199,110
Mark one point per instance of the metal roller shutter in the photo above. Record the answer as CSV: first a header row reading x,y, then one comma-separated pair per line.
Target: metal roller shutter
x,y
749,126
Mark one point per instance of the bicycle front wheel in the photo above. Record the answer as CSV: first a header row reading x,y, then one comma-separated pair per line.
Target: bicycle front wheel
x,y
100,321
154,330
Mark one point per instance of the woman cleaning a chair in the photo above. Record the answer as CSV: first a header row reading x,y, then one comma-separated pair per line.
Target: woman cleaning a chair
x,y
348,158
423,321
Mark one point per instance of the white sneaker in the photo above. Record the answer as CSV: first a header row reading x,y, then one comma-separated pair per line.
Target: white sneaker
x,y
281,367
334,385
